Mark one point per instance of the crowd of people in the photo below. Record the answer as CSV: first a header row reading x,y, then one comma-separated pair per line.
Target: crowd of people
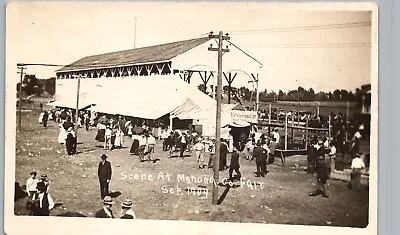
x,y
111,131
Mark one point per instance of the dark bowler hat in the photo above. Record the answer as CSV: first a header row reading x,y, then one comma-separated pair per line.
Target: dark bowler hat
x,y
127,203
103,156
43,176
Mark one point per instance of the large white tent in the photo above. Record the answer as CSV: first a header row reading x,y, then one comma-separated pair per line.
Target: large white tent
x,y
148,97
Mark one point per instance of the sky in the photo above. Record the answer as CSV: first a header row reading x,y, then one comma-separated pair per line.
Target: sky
x,y
285,41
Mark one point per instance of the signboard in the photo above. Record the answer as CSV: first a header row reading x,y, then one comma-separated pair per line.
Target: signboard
x,y
244,116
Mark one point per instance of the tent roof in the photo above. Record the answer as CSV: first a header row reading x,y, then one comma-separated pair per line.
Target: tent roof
x,y
148,97
156,53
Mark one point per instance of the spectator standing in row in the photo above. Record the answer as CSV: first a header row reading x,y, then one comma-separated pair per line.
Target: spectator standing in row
x,y
126,211
45,181
31,184
42,201
106,211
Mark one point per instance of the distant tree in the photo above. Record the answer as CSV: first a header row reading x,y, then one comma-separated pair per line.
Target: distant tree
x,y
321,96
30,85
50,85
281,95
337,95
310,95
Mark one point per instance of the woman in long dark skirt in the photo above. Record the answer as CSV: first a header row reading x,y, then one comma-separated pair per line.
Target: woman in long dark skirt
x,y
70,143
135,144
101,130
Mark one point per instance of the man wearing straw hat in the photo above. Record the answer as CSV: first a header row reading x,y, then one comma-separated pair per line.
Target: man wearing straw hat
x,y
126,211
104,173
106,211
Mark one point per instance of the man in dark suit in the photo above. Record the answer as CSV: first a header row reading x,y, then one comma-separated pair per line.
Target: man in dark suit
x,y
104,173
261,160
234,166
223,151
106,211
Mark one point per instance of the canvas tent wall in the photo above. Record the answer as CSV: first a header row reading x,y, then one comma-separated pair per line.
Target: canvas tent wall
x,y
148,97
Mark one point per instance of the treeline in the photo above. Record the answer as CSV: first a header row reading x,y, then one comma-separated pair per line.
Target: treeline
x,y
31,85
300,94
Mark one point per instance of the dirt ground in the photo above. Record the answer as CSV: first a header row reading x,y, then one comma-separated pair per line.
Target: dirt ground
x,y
279,198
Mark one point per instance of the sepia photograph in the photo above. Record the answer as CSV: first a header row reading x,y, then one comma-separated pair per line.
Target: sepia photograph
x,y
244,113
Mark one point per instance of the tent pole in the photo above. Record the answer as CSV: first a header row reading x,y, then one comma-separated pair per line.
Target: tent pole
x,y
306,132
170,122
286,130
77,108
329,129
269,113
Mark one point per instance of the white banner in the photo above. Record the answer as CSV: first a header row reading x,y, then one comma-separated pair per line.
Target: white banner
x,y
244,116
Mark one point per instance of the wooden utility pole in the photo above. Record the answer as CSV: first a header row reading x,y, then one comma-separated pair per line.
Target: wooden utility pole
x,y
220,50
347,119
286,130
20,97
269,113
77,108
307,132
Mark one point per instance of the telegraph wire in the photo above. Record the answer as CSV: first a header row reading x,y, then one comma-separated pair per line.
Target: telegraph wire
x,y
302,28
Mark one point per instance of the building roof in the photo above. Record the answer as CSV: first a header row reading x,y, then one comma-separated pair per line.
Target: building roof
x,y
156,53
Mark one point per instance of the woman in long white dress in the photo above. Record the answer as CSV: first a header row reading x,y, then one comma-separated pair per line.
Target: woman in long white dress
x,y
118,138
62,135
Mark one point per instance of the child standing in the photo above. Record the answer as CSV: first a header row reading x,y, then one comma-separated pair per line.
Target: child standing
x,y
322,177
107,138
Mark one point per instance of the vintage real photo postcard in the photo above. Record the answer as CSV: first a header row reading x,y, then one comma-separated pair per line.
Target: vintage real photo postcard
x,y
192,117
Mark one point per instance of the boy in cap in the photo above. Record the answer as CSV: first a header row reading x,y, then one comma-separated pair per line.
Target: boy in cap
x,y
126,211
31,184
357,165
104,173
322,176
106,211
